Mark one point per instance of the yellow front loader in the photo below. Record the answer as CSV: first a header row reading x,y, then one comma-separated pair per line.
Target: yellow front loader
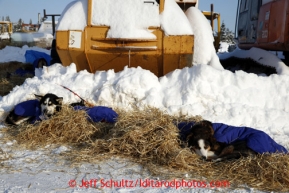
x,y
6,27
93,50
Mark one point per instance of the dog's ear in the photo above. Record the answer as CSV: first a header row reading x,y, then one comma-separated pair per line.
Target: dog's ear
x,y
39,97
59,100
208,124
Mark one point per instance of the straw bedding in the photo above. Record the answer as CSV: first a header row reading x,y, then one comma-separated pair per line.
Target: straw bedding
x,y
150,137
9,79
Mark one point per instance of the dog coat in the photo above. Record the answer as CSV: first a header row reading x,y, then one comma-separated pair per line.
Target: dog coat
x,y
99,113
28,108
33,57
31,108
257,140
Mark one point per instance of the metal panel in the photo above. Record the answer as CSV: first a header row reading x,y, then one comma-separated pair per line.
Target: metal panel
x,y
277,21
92,50
248,21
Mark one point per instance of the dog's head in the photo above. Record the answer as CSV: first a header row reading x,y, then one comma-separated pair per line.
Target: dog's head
x,y
201,139
49,104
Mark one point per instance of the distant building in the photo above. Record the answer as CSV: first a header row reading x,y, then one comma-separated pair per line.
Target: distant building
x,y
29,27
44,27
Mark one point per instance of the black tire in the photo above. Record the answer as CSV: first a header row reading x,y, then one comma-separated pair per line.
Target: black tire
x,y
53,54
41,62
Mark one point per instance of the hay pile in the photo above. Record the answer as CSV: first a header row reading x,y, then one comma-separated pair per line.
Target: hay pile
x,y
150,137
9,79
68,127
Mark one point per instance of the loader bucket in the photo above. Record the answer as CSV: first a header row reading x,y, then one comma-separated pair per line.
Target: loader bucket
x,y
93,49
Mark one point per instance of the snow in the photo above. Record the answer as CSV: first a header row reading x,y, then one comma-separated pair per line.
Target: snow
x,y
206,89
204,51
224,47
46,27
71,21
44,34
219,96
32,37
174,21
10,53
119,18
4,36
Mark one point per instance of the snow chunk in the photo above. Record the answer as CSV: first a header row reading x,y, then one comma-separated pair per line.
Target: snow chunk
x,y
224,47
129,21
174,20
73,17
60,150
204,50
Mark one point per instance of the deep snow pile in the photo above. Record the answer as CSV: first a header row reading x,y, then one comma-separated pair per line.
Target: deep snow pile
x,y
220,96
204,50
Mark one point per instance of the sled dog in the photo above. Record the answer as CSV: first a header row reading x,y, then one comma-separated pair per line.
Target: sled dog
x,y
201,140
48,104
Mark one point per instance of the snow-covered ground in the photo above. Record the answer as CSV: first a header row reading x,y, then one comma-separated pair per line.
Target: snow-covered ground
x,y
238,99
10,53
43,35
32,37
4,36
217,95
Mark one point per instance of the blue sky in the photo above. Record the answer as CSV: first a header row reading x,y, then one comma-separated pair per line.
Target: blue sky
x,y
29,9
227,9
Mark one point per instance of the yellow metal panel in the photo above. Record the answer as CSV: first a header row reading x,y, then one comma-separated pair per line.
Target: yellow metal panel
x,y
105,53
178,52
97,52
77,54
162,5
6,25
62,47
89,12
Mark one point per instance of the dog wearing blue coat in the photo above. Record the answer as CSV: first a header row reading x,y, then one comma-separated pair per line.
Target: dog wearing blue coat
x,y
218,141
43,107
46,106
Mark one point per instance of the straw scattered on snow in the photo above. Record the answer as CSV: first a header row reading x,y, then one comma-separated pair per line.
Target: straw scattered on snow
x,y
150,137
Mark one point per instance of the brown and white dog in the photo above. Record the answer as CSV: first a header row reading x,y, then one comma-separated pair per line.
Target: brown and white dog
x,y
201,139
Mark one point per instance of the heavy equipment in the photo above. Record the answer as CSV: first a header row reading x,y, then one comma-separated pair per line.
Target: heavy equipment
x,y
6,29
93,48
263,24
